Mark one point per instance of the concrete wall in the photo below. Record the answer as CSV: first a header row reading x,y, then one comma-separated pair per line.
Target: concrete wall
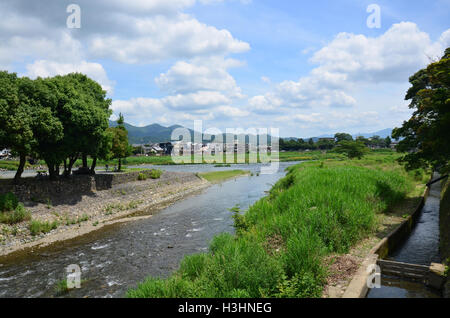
x,y
444,220
358,285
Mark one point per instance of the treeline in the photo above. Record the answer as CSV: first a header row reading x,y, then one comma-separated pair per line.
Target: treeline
x,y
330,143
59,120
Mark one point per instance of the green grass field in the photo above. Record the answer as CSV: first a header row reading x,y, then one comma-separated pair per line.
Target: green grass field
x,y
319,208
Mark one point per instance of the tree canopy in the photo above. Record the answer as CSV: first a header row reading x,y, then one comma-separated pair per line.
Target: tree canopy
x,y
425,136
120,147
353,149
58,119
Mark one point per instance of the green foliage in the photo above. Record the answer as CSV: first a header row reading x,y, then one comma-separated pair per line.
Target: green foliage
x,y
120,147
8,202
57,119
425,134
142,177
313,211
17,215
353,149
155,174
37,227
218,176
239,220
343,136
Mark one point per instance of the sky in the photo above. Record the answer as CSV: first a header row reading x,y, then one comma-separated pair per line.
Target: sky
x,y
306,67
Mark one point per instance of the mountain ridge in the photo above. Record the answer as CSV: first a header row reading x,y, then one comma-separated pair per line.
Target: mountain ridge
x,y
156,133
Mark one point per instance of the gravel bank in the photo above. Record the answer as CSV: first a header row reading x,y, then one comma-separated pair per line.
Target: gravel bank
x,y
80,215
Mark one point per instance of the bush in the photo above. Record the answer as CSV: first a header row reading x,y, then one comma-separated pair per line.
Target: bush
x,y
8,202
155,174
18,215
142,177
37,227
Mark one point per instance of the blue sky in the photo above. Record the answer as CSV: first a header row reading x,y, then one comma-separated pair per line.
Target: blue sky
x,y
305,67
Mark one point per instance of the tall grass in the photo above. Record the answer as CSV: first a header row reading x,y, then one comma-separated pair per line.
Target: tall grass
x,y
37,227
11,211
317,209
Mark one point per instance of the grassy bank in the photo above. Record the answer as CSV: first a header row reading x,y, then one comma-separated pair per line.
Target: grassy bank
x,y
319,208
218,176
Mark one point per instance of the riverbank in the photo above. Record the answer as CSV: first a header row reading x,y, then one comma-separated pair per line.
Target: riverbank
x,y
307,235
77,214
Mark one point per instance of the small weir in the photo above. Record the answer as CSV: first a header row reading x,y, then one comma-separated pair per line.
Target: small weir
x,y
410,271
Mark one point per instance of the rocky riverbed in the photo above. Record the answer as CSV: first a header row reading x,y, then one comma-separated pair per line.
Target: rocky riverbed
x,y
80,214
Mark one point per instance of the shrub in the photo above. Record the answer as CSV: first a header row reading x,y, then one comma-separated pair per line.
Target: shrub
x,y
18,215
155,174
142,177
8,202
37,227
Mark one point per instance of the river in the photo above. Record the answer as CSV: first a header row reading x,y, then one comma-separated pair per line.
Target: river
x,y
119,256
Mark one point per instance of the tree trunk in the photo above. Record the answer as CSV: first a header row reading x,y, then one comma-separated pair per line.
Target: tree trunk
x,y
51,171
65,168
120,164
21,167
72,161
94,163
85,164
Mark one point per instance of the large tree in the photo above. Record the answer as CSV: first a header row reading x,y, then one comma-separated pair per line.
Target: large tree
x,y
353,149
343,136
79,105
16,117
425,136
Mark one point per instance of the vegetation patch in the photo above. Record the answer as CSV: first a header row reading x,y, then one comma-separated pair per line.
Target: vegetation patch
x,y
282,241
155,174
218,176
37,227
11,211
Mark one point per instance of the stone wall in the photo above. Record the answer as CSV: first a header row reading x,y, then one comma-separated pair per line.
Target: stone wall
x,y
32,189
444,223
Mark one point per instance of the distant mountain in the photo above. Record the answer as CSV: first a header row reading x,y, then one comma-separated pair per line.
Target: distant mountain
x,y
156,133
382,133
148,134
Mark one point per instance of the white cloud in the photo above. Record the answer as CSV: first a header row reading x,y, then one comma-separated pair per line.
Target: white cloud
x,y
354,61
45,68
198,100
391,57
161,37
134,31
200,74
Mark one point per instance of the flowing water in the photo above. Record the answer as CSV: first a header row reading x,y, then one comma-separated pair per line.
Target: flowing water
x,y
119,256
421,247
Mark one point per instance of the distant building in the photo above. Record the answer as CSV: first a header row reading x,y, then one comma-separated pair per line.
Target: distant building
x,y
330,139
394,145
5,154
